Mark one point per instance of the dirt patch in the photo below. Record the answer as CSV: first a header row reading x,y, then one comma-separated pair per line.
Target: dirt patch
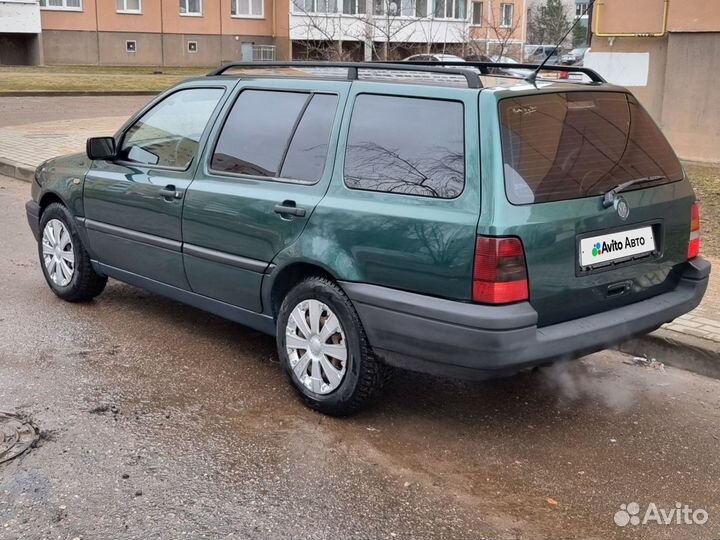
x,y
92,78
705,179
16,436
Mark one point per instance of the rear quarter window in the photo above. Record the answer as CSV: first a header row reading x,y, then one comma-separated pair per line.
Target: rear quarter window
x,y
403,145
579,144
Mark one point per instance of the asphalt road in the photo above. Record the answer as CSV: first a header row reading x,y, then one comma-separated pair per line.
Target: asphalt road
x,y
160,421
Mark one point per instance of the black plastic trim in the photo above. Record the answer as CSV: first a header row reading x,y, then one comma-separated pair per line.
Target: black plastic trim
x,y
258,321
143,238
457,339
225,258
32,209
507,317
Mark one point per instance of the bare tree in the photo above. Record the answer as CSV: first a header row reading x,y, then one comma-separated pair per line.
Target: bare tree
x,y
492,36
323,32
385,22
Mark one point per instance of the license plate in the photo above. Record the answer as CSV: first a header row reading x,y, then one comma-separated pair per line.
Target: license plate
x,y
619,245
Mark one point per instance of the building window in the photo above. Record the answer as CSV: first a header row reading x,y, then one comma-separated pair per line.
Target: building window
x,y
449,9
128,6
69,5
353,7
192,46
248,8
191,8
315,6
580,8
264,53
506,15
477,13
131,46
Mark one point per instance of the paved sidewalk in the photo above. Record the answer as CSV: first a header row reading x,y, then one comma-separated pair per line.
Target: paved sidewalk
x,y
28,145
31,144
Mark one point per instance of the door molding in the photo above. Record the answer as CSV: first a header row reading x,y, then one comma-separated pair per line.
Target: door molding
x,y
128,234
245,263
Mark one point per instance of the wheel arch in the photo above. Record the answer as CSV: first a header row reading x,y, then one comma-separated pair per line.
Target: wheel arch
x,y
285,278
49,197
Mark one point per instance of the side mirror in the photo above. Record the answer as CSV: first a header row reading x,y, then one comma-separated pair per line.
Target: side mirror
x,y
101,148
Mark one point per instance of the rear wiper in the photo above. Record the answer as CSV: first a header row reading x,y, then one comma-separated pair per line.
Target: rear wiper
x,y
609,197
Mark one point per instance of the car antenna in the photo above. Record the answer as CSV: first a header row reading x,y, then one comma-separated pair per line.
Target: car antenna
x,y
531,78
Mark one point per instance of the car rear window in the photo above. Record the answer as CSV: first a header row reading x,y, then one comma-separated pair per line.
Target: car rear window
x,y
579,144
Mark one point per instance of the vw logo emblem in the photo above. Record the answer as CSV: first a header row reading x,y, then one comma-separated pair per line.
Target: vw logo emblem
x,y
622,208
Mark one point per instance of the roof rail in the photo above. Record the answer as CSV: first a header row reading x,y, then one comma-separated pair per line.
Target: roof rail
x,y
471,76
485,68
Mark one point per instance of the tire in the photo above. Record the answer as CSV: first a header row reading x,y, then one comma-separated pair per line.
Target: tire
x,y
363,372
83,283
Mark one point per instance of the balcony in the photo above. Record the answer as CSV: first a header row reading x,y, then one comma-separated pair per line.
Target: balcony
x,y
19,17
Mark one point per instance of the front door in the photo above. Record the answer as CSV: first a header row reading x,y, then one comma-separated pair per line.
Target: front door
x,y
133,205
261,176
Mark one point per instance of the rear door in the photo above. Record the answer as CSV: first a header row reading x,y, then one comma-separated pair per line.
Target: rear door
x,y
133,204
266,168
561,153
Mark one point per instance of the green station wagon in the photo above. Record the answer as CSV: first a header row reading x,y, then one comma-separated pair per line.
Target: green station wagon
x,y
434,218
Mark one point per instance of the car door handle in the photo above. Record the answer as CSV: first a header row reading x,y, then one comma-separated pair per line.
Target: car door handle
x,y
288,208
169,192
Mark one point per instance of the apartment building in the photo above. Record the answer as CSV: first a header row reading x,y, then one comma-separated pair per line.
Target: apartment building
x,y
393,29
145,32
667,52
207,32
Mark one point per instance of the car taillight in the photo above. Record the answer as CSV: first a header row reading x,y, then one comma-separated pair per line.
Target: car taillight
x,y
694,243
499,273
564,75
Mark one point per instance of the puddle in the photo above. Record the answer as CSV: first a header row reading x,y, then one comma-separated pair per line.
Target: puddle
x,y
16,436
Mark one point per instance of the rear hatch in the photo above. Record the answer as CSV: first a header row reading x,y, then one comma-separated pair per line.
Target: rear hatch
x,y
561,152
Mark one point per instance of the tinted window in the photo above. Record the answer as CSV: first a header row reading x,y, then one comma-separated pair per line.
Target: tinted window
x,y
406,145
256,133
169,133
579,144
308,149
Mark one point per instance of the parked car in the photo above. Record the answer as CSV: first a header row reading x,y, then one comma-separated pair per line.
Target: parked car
x,y
574,57
433,58
538,53
516,72
368,224
478,58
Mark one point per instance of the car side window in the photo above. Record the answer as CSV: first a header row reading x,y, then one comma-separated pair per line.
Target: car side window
x,y
406,145
168,134
307,153
276,134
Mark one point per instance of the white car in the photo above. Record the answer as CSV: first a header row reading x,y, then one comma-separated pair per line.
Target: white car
x,y
433,58
514,72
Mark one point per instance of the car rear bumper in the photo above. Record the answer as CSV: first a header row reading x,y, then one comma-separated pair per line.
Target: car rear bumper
x,y
32,209
457,339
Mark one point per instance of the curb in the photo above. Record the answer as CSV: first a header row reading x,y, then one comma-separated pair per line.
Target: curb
x,y
678,350
68,93
13,169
